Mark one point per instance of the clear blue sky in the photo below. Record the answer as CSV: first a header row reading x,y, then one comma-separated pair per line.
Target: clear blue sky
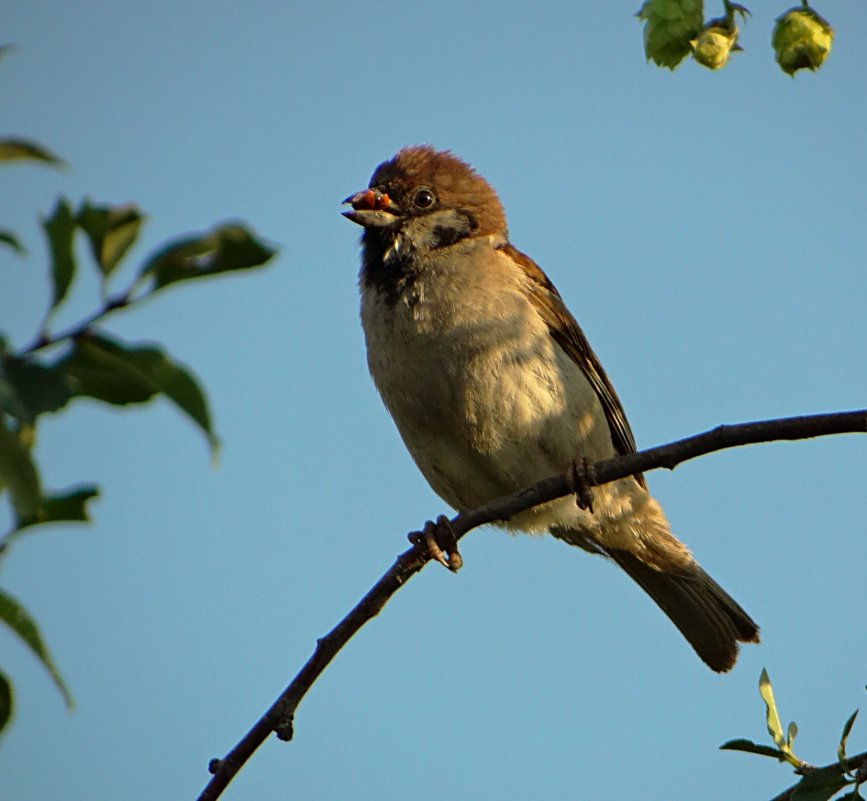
x,y
708,231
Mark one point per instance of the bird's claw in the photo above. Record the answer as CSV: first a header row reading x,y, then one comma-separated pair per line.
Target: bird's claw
x,y
441,543
582,479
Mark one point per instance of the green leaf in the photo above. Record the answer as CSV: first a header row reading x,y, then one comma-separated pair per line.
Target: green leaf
x,y
14,615
775,728
670,26
22,149
791,733
69,506
228,247
10,402
6,701
18,474
847,728
120,374
819,784
10,239
753,748
60,230
111,231
99,368
28,388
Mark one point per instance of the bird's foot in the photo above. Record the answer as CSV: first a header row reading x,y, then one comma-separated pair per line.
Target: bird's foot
x,y
582,479
441,543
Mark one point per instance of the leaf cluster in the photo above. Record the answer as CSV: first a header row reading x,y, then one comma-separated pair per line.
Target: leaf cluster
x,y
674,29
86,361
816,784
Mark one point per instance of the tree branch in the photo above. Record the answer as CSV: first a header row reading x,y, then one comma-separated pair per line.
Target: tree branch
x,y
856,766
279,718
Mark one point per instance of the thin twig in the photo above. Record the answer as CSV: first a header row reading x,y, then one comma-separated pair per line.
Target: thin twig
x,y
279,718
45,340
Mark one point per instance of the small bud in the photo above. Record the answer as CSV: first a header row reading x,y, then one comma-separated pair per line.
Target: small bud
x,y
713,46
801,40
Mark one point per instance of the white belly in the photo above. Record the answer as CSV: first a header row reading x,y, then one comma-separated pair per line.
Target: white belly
x,y
484,398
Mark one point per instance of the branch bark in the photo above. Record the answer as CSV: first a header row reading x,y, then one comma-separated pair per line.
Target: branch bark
x,y
855,766
279,718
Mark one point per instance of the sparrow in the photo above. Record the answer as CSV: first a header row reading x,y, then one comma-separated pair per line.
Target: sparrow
x,y
493,385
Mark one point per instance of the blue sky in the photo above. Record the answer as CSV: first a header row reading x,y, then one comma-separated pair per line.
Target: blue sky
x,y
707,230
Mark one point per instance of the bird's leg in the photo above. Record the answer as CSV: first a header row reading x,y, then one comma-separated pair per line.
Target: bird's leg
x,y
441,543
582,479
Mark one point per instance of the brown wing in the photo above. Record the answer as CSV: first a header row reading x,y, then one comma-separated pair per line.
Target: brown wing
x,y
570,337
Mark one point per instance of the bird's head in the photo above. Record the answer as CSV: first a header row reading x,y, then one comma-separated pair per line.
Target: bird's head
x,y
426,199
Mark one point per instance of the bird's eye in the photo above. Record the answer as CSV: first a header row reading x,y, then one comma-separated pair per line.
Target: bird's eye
x,y
424,198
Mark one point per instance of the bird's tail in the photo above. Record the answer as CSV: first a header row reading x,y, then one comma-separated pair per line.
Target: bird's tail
x,y
710,619
630,528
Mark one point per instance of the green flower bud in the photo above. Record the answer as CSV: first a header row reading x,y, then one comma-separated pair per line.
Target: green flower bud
x,y
713,46
801,40
670,25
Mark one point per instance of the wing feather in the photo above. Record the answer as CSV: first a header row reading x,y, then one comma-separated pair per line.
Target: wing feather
x,y
569,336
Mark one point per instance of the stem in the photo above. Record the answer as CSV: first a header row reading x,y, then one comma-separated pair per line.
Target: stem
x,y
44,340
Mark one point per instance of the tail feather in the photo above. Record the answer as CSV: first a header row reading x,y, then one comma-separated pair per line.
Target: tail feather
x,y
710,619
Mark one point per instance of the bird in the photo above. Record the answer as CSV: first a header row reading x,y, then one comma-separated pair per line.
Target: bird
x,y
493,385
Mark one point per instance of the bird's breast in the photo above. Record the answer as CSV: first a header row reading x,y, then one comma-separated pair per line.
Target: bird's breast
x,y
484,398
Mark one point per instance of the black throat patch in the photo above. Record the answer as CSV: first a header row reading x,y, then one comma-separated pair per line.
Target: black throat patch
x,y
392,278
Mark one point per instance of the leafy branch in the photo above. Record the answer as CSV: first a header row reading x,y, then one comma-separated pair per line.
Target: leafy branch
x,y
279,718
60,366
83,361
816,784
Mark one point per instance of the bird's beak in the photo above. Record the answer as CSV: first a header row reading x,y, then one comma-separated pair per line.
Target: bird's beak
x,y
372,208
